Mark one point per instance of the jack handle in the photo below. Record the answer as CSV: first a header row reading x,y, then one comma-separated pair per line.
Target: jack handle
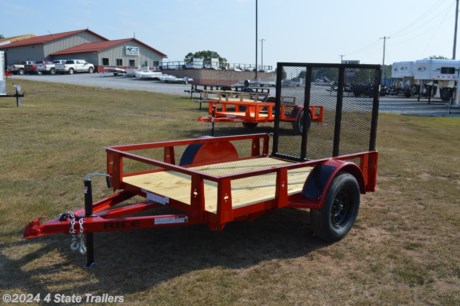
x,y
89,177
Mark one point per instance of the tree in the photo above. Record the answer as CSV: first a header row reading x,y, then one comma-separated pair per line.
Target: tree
x,y
206,55
1,36
438,57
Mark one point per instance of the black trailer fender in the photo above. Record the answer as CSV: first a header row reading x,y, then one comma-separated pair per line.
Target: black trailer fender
x,y
320,179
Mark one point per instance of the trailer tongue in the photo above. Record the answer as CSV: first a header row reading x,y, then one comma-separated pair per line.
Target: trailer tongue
x,y
216,180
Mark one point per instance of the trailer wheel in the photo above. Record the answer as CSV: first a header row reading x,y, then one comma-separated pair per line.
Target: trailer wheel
x,y
52,71
71,71
298,125
250,125
335,219
21,71
407,93
446,94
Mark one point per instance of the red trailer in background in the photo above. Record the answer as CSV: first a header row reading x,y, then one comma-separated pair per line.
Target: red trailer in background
x,y
216,180
250,113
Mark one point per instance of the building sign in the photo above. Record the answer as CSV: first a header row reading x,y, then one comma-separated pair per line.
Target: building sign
x,y
2,74
134,51
350,62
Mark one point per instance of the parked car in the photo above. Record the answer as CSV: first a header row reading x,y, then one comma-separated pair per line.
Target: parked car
x,y
75,65
49,67
19,68
367,89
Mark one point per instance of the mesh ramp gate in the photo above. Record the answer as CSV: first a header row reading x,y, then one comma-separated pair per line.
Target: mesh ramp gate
x,y
349,95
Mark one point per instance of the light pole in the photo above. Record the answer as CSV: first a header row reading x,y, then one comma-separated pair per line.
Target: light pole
x,y
257,40
455,31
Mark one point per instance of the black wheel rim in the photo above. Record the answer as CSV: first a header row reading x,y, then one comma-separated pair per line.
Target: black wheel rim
x,y
341,208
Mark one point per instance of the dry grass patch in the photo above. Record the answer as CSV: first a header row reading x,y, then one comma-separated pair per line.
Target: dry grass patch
x,y
404,248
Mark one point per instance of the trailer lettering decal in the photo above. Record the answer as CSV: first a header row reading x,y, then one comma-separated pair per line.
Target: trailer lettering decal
x,y
121,224
156,198
171,220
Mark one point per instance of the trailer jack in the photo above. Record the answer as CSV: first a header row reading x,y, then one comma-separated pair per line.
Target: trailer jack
x,y
85,245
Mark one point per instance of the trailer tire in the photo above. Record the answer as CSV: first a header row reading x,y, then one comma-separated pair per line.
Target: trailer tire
x,y
250,125
407,93
52,71
298,126
21,71
446,94
336,218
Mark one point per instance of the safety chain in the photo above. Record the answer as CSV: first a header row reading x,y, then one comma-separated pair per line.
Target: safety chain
x,y
82,237
75,243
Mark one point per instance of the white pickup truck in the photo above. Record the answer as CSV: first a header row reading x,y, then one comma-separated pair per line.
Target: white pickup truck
x,y
49,67
75,65
19,68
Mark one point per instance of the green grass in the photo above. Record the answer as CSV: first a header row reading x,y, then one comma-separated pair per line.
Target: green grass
x,y
404,248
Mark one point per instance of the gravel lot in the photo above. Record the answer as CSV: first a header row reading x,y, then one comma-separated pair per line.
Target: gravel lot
x,y
398,105
107,80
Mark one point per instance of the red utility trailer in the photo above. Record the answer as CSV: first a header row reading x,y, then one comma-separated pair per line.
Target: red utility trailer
x,y
250,113
216,180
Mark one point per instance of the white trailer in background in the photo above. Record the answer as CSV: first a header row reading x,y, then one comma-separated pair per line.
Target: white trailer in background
x,y
403,75
440,73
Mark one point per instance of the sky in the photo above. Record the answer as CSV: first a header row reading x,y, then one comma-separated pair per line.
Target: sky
x,y
310,31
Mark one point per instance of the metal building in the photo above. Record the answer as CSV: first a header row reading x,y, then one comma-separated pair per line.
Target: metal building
x,y
83,44
39,48
128,52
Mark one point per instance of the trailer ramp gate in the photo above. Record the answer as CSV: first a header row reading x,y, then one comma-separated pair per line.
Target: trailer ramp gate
x,y
349,95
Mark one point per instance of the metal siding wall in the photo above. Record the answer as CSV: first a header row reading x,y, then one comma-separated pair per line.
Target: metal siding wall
x,y
21,54
89,57
119,52
68,42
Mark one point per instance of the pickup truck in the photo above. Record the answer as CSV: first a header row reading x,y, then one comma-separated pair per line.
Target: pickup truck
x,y
75,65
49,67
19,68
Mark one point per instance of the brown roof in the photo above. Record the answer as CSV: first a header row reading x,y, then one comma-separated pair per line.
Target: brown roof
x,y
16,38
47,38
102,45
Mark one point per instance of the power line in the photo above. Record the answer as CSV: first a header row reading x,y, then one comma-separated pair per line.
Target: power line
x,y
420,19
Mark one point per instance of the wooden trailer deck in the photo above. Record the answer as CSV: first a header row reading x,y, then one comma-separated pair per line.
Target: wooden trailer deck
x,y
245,191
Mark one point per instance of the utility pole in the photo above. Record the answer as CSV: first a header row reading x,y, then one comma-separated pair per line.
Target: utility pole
x,y
455,31
384,44
341,57
257,40
262,53
383,60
